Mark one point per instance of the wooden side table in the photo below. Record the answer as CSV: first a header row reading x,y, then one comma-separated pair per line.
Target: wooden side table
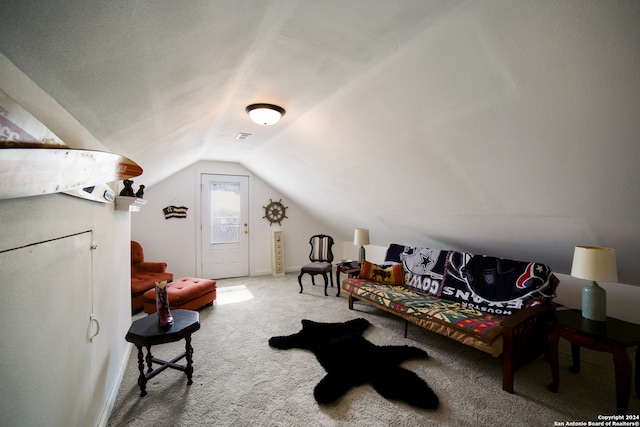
x,y
147,332
613,336
350,268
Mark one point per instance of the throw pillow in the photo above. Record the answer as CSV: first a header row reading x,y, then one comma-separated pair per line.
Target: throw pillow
x,y
392,275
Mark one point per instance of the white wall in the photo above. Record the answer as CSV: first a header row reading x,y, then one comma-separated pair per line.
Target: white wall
x,y
622,300
26,221
175,241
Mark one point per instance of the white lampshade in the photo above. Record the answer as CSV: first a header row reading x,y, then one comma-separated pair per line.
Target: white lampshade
x,y
594,263
361,236
265,114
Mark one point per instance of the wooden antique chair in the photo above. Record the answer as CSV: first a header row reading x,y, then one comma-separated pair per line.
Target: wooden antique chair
x,y
321,258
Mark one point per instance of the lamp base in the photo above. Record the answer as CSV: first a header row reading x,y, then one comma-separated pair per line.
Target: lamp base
x,y
594,302
361,255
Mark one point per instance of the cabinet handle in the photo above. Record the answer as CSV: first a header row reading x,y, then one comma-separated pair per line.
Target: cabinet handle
x,y
94,321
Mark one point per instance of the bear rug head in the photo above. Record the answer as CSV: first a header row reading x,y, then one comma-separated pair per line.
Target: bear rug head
x,y
335,343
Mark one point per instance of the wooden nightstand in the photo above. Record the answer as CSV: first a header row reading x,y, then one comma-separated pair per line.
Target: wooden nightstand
x,y
613,336
350,268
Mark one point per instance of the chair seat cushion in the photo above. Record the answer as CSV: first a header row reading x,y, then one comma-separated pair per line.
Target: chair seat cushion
x,y
316,267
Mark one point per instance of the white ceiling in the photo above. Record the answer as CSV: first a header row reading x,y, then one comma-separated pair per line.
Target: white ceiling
x,y
504,128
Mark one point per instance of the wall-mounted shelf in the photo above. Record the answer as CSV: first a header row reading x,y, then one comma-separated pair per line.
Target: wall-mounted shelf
x,y
131,204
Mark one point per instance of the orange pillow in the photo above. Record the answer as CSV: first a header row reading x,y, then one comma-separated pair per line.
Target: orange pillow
x,y
392,275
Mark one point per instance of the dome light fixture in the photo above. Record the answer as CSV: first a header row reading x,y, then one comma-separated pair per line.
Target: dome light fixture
x,y
265,114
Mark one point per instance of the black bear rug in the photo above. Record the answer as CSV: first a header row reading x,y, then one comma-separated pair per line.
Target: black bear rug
x,y
350,360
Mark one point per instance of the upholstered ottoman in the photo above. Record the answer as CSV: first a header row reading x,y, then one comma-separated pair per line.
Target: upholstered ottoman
x,y
189,293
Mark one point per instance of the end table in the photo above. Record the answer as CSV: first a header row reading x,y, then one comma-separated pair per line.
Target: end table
x,y
613,336
350,268
147,332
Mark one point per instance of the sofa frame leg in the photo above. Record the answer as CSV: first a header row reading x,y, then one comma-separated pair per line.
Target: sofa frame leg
x,y
507,378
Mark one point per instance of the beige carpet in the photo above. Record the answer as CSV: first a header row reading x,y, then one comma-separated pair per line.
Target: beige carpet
x,y
240,381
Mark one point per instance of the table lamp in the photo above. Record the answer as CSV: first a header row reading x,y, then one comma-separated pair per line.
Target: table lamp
x,y
361,237
594,264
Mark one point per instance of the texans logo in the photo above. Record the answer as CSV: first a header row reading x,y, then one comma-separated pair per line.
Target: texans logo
x,y
531,276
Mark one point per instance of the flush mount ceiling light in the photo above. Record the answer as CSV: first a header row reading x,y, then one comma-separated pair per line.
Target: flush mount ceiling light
x,y
265,114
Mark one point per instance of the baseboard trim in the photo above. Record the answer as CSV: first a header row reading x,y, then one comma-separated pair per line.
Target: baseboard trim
x,y
111,400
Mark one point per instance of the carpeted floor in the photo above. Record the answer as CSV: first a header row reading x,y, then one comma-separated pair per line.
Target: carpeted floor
x,y
239,380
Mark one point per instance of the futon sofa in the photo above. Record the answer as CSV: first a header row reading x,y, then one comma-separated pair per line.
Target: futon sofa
x,y
144,275
499,306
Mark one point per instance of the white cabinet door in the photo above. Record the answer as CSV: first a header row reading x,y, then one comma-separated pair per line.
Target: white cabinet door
x,y
45,363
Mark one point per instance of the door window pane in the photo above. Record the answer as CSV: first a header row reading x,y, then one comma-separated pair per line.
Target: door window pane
x,y
225,212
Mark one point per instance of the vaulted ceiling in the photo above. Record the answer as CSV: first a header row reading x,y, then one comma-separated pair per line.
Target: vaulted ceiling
x,y
496,127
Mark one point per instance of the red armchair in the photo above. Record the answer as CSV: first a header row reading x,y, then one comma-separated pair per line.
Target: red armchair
x,y
144,275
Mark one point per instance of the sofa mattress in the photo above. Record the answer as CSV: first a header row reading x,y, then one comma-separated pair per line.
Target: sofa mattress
x,y
452,319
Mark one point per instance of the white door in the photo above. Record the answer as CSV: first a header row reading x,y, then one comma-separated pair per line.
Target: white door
x,y
225,226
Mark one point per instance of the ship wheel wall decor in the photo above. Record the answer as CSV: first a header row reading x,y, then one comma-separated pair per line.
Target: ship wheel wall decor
x,y
275,212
